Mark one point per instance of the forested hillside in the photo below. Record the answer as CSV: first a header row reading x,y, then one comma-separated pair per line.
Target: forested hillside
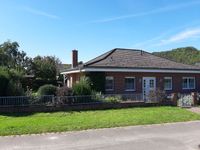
x,y
187,55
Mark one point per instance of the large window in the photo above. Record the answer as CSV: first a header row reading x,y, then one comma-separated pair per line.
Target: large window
x,y
167,83
188,83
109,83
130,83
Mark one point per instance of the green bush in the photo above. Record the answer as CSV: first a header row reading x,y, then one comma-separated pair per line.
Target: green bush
x,y
97,81
63,91
14,89
47,89
113,99
37,83
4,80
97,96
83,87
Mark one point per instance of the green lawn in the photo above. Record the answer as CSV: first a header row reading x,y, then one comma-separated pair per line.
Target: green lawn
x,y
13,124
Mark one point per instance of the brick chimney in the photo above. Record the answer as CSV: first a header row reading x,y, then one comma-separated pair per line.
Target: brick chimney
x,y
74,58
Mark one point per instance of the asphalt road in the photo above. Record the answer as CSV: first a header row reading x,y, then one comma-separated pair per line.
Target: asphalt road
x,y
175,136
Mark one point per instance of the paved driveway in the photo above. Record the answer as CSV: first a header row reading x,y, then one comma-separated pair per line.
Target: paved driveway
x,y
176,136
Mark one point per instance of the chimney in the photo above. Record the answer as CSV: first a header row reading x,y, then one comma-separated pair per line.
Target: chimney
x,y
141,52
74,58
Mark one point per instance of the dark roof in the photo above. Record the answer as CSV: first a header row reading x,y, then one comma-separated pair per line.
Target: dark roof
x,y
62,67
132,58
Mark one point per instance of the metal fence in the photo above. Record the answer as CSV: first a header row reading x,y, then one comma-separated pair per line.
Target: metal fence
x,y
50,100
25,100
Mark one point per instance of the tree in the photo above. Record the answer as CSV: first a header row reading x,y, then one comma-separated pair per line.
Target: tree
x,y
17,64
187,55
10,80
4,80
12,57
45,67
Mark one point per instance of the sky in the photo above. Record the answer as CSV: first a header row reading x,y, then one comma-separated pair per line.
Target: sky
x,y
55,27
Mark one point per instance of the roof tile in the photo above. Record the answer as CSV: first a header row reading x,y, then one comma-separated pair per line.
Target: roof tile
x,y
132,58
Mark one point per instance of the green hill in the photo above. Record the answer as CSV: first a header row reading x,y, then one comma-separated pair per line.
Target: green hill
x,y
187,55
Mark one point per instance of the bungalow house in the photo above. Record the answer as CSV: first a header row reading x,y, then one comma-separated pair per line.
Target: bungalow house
x,y
129,71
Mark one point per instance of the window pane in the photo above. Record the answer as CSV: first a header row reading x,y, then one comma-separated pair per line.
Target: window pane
x,y
191,83
151,84
144,83
109,83
167,83
129,83
184,83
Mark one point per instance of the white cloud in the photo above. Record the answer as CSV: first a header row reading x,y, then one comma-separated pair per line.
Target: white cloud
x,y
182,36
155,11
40,13
147,42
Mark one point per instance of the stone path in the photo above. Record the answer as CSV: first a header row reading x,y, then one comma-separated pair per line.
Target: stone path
x,y
194,109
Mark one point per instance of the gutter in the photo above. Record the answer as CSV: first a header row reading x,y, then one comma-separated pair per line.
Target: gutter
x,y
154,70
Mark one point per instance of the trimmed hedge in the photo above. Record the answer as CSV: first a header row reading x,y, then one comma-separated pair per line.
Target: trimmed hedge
x,y
47,89
37,83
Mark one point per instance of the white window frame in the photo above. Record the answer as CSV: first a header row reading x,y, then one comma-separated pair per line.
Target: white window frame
x,y
110,77
70,81
167,89
134,83
188,88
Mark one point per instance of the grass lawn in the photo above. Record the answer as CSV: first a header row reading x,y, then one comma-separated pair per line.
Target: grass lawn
x,y
13,124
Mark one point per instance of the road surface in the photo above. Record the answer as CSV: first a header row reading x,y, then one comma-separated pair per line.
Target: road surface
x,y
175,136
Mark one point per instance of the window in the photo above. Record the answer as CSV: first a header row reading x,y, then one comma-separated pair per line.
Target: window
x,y
130,83
109,83
167,83
144,83
151,83
188,83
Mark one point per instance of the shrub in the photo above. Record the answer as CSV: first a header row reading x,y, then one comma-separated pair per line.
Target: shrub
x,y
83,87
15,75
97,96
97,81
113,99
157,95
14,88
37,83
4,80
63,91
10,82
185,101
47,89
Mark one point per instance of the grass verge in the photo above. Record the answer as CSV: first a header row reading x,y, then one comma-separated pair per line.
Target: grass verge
x,y
26,123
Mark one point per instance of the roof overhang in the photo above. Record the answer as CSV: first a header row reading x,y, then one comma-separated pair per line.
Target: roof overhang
x,y
130,70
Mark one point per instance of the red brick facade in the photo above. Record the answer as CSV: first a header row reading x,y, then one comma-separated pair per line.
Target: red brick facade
x,y
119,84
72,79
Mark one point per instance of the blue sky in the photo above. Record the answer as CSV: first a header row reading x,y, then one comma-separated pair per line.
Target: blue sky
x,y
55,27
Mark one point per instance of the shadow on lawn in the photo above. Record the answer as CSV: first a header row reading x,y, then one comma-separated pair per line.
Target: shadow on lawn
x,y
25,114
19,114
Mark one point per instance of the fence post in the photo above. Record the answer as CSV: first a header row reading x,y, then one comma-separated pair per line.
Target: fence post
x,y
53,100
174,98
194,98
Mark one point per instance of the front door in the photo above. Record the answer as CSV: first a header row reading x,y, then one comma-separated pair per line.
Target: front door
x,y
149,85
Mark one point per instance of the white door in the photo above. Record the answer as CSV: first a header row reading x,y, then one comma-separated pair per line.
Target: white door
x,y
149,85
